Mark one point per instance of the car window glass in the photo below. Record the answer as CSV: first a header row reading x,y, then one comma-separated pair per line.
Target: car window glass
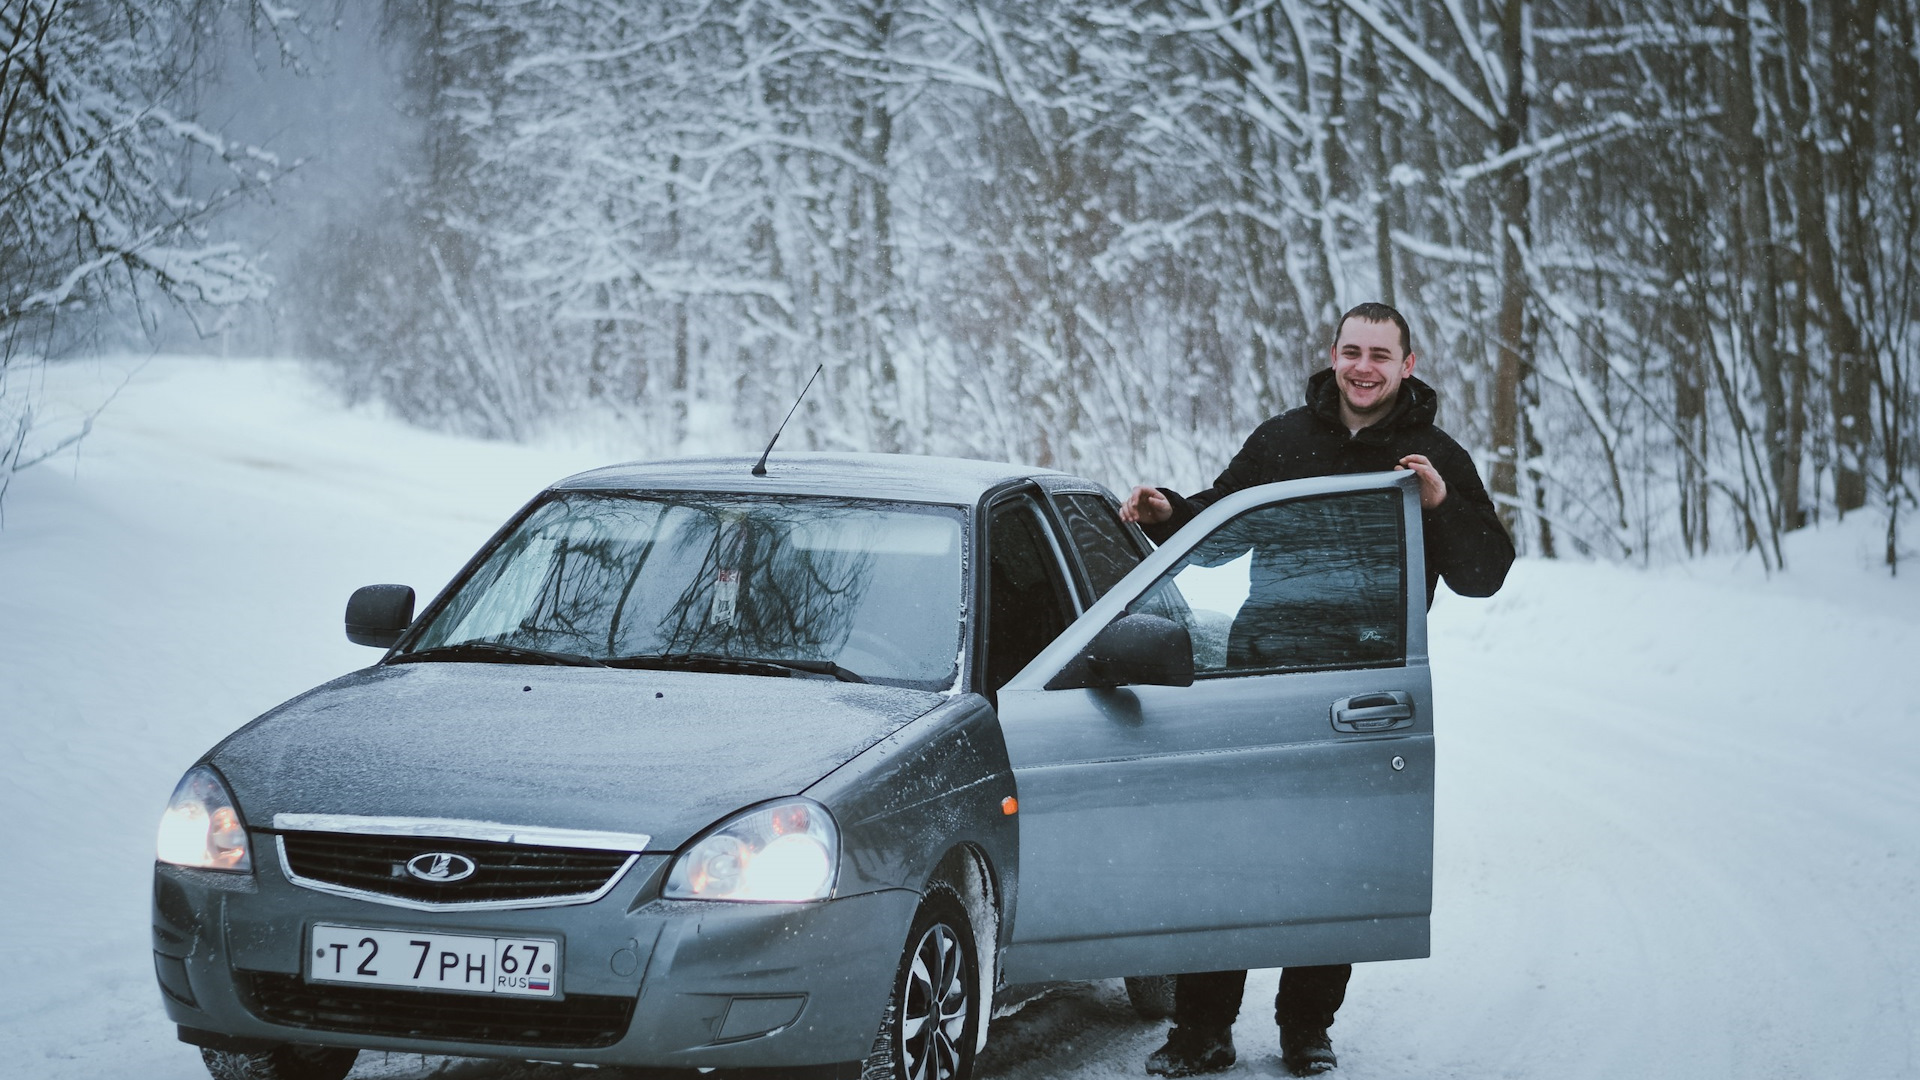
x,y
872,587
1304,585
1105,550
1026,597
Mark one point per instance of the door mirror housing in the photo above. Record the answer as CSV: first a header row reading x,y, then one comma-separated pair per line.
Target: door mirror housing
x,y
1131,650
378,614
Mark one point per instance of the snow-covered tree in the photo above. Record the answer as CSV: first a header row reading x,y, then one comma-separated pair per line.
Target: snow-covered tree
x,y
1659,254
108,183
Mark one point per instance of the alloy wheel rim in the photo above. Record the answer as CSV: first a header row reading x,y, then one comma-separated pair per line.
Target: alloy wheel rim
x,y
934,1006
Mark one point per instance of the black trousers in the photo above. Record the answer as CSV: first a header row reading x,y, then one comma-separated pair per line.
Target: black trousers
x,y
1309,996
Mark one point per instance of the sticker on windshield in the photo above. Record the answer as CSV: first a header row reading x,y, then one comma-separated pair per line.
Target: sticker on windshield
x,y
726,591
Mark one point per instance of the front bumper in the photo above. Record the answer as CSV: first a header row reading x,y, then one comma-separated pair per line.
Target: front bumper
x,y
647,982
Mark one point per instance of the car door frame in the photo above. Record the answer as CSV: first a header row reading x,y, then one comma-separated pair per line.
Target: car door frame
x,y
1065,560
1077,562
1144,952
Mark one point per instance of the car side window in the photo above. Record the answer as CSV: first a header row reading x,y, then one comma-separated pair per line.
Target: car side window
x,y
1105,550
1027,604
1306,585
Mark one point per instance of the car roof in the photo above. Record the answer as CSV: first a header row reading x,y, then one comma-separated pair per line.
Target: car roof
x,y
901,477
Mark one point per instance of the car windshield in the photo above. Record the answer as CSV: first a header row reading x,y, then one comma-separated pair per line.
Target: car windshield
x,y
864,590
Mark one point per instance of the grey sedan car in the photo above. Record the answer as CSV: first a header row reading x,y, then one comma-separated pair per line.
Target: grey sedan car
x,y
697,769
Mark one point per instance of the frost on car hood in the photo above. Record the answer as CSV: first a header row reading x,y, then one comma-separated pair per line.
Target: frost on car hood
x,y
654,752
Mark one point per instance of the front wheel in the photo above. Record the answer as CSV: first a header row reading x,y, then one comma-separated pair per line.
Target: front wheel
x,y
933,1019
284,1062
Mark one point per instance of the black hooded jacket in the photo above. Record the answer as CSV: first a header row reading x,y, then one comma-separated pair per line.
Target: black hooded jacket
x,y
1465,542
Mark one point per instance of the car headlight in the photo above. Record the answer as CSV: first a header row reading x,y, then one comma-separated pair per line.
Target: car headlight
x,y
787,852
201,827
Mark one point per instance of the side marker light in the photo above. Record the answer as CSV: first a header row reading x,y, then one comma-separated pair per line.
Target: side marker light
x,y
1009,805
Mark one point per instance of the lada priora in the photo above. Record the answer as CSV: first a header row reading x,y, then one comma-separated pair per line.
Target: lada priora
x,y
697,769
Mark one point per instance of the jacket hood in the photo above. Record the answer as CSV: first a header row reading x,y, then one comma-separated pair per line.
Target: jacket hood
x,y
655,752
1417,405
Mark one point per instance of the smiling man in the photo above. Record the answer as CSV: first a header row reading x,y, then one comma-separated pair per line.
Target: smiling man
x,y
1364,413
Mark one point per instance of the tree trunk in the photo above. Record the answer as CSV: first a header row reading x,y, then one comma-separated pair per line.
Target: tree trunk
x,y
1852,381
1803,173
1511,345
1756,290
1384,152
873,137
1262,274
679,309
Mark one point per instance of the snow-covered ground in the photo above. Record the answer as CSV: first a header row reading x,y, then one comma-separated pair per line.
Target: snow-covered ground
x,y
1679,810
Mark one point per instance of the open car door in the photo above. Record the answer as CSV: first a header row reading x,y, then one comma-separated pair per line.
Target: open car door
x,y
1276,811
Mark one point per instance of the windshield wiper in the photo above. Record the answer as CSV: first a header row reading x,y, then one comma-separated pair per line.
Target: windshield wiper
x,y
489,652
817,667
743,665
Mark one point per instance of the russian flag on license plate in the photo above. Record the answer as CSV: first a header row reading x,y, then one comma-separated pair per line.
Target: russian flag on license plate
x,y
539,984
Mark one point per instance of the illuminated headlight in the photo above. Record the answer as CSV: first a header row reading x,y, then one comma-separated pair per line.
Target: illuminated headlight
x,y
201,828
787,852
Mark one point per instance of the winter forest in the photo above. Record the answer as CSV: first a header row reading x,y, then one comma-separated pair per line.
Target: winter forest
x,y
1661,257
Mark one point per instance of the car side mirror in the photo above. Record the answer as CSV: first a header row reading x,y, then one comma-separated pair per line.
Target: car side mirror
x,y
378,614
1132,650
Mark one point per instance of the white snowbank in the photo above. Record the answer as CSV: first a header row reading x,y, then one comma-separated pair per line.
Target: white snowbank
x,y
1679,809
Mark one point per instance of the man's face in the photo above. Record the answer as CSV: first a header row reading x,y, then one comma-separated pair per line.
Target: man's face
x,y
1368,366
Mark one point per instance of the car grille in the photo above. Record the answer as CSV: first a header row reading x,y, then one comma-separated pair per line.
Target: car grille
x,y
502,873
579,1021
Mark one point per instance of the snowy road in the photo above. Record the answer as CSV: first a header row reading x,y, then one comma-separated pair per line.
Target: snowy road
x,y
1679,810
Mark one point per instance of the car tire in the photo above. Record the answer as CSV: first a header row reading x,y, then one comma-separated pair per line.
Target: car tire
x,y
939,977
1151,996
287,1061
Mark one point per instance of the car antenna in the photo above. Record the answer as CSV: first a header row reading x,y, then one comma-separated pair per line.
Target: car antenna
x,y
760,467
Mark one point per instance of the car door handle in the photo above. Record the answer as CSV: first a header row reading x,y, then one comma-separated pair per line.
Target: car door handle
x,y
1379,711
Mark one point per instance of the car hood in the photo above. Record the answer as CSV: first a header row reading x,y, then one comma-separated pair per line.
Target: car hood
x,y
660,753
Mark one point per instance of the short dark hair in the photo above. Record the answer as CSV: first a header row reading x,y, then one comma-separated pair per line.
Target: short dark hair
x,y
1374,312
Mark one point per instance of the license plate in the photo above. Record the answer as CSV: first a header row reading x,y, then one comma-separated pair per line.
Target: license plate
x,y
524,967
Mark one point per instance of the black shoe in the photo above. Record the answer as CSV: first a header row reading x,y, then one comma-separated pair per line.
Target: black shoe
x,y
1308,1052
1192,1053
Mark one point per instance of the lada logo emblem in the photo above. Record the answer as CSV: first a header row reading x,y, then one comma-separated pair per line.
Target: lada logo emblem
x,y
440,867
